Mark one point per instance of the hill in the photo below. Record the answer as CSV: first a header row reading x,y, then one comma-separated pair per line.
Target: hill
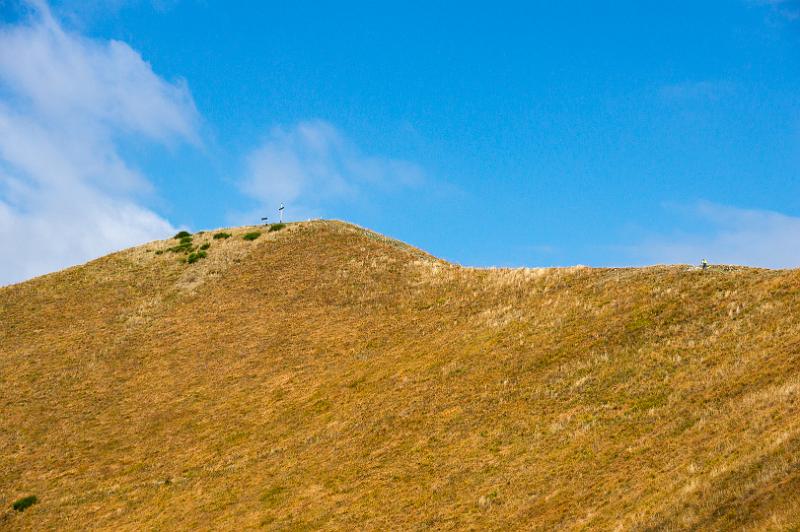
x,y
324,376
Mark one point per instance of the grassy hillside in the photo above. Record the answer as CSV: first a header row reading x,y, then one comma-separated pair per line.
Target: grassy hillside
x,y
324,376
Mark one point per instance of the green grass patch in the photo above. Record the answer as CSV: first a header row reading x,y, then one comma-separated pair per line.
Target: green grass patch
x,y
183,234
205,246
22,504
183,247
221,235
276,227
252,236
194,257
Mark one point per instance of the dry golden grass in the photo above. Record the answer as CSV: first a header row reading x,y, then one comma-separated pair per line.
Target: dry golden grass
x,y
325,377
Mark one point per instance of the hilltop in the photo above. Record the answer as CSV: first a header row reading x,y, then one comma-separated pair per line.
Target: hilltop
x,y
325,376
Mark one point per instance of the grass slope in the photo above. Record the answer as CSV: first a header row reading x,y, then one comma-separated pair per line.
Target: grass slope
x,y
324,376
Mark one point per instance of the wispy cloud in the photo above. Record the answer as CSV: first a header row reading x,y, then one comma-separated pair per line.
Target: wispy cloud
x,y
66,101
312,165
727,235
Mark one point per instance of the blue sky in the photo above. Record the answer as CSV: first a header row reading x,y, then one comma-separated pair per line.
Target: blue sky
x,y
509,134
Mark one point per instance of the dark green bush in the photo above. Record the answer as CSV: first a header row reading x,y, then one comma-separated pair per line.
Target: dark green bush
x,y
276,227
205,246
186,240
252,236
183,234
194,257
21,504
221,235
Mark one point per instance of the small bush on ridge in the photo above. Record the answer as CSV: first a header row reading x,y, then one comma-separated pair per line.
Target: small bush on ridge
x,y
252,236
221,235
183,234
276,227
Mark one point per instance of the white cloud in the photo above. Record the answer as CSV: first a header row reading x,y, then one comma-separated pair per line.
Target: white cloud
x,y
728,235
66,101
312,165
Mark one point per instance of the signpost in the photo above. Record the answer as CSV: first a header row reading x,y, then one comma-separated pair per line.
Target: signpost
x,y
280,210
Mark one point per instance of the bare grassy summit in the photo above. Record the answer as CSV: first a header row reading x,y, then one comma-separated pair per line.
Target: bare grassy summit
x,y
325,377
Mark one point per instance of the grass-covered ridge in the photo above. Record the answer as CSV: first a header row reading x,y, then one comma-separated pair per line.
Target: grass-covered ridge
x,y
323,376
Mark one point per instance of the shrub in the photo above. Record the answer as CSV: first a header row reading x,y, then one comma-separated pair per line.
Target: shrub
x,y
159,251
183,247
186,240
183,234
221,235
21,504
205,246
276,227
194,257
252,236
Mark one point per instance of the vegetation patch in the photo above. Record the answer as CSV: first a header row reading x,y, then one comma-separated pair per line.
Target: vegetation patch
x,y
276,227
194,257
187,247
221,234
22,504
183,247
185,244
252,236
